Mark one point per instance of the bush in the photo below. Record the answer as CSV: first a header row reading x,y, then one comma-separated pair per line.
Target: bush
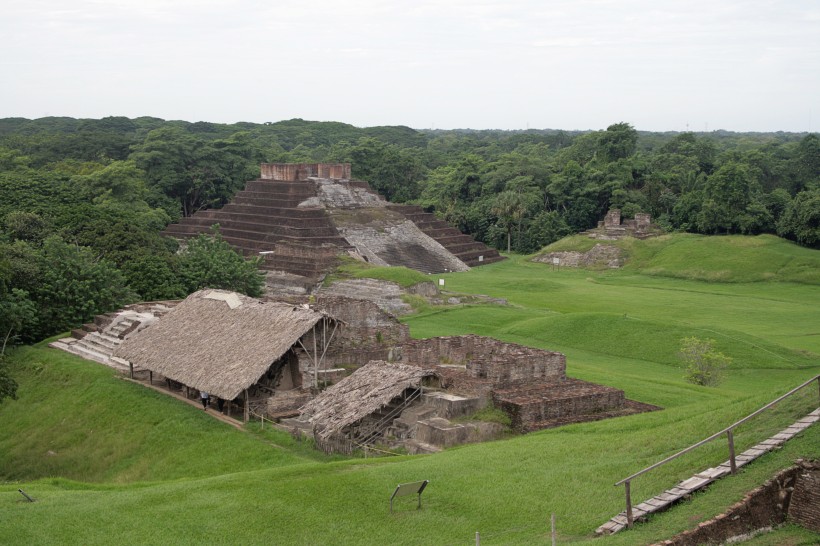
x,y
704,365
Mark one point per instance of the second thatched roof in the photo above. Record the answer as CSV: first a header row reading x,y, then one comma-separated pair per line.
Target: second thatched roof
x,y
218,341
369,388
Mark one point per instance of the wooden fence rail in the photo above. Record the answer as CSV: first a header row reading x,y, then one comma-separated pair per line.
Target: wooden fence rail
x,y
728,431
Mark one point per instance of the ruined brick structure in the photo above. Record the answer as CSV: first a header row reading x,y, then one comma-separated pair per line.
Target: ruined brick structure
x,y
293,172
503,364
299,217
529,384
367,333
614,227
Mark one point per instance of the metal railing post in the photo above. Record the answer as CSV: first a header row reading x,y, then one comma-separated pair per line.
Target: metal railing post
x,y
731,438
629,519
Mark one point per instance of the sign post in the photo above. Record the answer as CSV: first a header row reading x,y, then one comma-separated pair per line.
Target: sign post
x,y
403,489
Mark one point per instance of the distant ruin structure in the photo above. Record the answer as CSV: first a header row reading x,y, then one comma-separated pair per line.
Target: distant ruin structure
x,y
615,227
300,217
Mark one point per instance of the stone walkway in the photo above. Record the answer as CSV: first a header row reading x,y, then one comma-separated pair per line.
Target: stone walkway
x,y
704,478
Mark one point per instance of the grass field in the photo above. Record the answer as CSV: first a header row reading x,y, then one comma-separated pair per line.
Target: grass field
x,y
106,458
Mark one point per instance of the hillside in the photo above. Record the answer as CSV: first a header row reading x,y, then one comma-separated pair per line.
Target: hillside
x,y
153,470
729,258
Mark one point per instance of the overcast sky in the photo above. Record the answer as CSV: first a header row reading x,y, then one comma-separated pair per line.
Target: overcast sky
x,y
748,65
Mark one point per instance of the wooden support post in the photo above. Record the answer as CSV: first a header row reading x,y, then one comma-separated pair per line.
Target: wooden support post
x,y
247,409
732,463
552,521
131,370
151,377
315,361
629,519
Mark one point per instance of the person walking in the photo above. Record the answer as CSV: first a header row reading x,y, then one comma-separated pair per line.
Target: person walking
x,y
205,399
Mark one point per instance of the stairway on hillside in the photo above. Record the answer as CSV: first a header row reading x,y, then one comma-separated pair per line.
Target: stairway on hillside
x,y
464,247
97,341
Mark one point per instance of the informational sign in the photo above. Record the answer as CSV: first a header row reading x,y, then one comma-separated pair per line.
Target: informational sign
x,y
413,488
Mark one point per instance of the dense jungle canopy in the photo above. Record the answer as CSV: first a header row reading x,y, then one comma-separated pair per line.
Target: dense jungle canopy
x,y
82,201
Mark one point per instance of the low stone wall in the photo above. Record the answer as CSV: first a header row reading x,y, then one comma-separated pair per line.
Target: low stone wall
x,y
598,256
503,364
569,398
443,433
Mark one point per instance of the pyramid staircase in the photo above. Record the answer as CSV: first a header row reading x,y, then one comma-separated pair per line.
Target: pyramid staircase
x,y
463,247
265,220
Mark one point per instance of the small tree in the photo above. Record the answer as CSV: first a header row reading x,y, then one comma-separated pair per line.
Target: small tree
x,y
209,261
704,365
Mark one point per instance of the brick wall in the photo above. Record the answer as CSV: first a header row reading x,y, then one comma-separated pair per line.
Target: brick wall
x,y
570,398
804,508
293,172
503,364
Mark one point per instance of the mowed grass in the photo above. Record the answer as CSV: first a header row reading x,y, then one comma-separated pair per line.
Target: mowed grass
x,y
195,481
730,258
81,421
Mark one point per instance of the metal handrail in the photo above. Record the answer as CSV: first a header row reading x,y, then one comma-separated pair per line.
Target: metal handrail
x,y
729,431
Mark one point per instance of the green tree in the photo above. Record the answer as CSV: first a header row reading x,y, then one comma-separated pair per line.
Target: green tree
x,y
704,365
801,219
619,141
727,195
210,262
75,286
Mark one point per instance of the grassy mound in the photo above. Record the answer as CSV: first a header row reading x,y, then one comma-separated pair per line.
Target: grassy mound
x,y
80,421
354,269
733,258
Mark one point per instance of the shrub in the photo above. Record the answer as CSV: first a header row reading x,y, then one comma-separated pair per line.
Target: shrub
x,y
704,365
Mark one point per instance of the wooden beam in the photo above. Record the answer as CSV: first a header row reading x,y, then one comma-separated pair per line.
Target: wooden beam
x,y
247,409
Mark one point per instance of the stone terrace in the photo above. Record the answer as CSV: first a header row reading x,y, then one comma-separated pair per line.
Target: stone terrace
x,y
528,384
285,217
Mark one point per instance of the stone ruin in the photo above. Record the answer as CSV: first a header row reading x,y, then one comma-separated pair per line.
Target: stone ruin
x,y
301,217
604,255
530,385
614,227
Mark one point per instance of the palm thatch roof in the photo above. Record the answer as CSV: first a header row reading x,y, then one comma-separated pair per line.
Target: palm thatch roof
x,y
218,341
369,388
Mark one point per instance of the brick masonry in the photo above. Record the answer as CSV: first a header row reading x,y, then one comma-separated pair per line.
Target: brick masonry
x,y
534,404
503,364
528,384
804,508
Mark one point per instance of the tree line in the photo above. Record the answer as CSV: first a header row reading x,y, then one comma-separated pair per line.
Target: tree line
x,y
82,202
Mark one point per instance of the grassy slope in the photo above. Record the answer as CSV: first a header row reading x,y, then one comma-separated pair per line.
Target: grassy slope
x,y
504,489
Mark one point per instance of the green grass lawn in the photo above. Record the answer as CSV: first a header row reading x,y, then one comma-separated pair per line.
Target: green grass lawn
x,y
127,462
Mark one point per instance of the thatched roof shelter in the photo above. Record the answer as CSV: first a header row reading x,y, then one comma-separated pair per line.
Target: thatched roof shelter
x,y
219,341
369,388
